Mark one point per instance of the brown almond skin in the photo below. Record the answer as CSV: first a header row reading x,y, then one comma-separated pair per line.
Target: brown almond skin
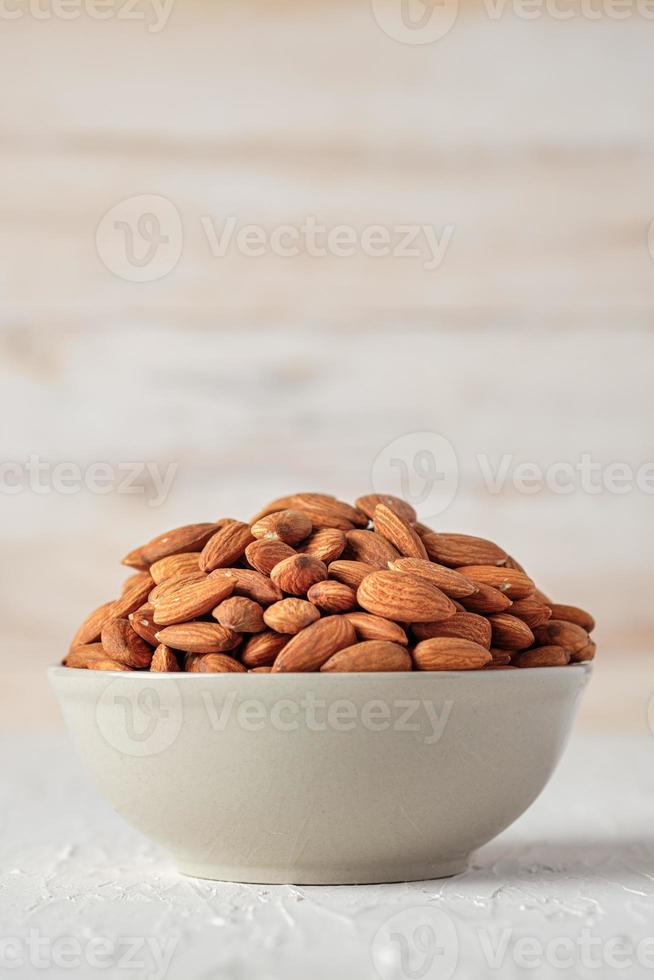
x,y
510,633
400,534
309,649
332,596
296,575
558,632
448,581
289,526
174,584
572,614
122,644
91,628
369,627
226,546
448,653
199,637
164,660
263,555
107,665
501,658
532,611
351,573
287,502
545,656
251,584
134,559
370,655
260,670
511,582
290,615
371,548
328,512
132,599
458,550
586,653
190,537
192,600
327,544
135,580
142,622
486,601
82,656
183,564
400,507
262,649
404,598
215,663
464,625
240,614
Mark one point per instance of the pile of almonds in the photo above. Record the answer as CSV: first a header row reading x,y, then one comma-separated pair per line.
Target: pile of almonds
x,y
312,583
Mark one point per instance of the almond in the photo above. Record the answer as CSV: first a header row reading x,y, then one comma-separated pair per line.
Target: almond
x,y
183,564
370,655
501,658
328,512
510,633
81,656
226,546
190,537
91,628
263,555
297,574
142,622
286,503
259,670
449,653
288,526
370,547
531,611
261,649
572,614
486,600
135,559
138,578
199,637
459,550
557,632
400,534
122,644
369,627
251,584
586,653
290,615
174,584
351,573
327,544
164,660
191,600
403,597
511,582
107,665
216,663
332,596
313,646
400,507
464,625
240,614
131,600
545,656
448,581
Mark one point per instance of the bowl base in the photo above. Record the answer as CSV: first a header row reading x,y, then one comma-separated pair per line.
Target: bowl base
x,y
335,875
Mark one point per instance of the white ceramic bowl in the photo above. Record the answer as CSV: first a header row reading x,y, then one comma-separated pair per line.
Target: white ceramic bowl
x,y
321,778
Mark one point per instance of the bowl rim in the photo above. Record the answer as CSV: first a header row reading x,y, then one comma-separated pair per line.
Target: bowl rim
x,y
56,670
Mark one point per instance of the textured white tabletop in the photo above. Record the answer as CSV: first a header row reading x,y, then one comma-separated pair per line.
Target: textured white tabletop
x,y
568,891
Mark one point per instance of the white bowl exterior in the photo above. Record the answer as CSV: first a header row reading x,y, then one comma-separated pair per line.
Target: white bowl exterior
x,y
321,778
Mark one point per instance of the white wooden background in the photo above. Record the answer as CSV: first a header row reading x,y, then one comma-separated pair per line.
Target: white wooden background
x,y
534,139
